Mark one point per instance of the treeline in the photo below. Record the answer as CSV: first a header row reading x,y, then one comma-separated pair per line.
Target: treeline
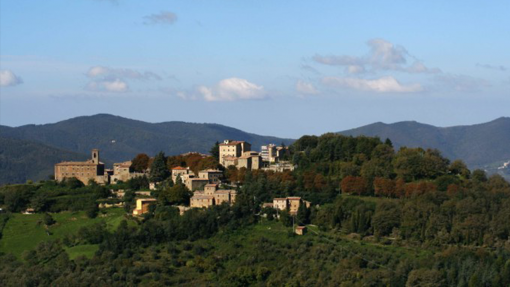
x,y
50,196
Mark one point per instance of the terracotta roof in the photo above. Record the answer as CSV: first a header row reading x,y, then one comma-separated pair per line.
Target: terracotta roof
x,y
280,198
294,198
179,168
211,184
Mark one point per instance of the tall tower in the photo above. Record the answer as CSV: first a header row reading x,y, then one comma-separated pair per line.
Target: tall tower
x,y
95,156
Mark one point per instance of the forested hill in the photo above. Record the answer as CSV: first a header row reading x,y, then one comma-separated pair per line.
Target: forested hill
x,y
22,160
120,139
480,146
30,151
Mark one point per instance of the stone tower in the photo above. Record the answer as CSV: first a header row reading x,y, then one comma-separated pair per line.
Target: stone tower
x,y
95,156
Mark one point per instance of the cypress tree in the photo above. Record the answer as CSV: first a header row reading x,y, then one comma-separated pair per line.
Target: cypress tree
x,y
159,171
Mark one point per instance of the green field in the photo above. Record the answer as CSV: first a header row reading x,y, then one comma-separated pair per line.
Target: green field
x,y
24,232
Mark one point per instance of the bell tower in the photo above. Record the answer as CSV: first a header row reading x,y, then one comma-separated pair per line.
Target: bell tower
x,y
95,156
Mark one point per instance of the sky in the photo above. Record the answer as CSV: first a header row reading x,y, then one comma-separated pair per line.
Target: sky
x,y
282,68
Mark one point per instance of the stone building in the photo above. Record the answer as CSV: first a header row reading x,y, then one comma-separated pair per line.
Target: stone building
x,y
181,171
124,172
230,148
212,196
213,175
142,205
193,183
201,200
84,171
250,160
291,204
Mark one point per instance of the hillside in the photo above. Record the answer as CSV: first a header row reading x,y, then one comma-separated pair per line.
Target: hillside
x,y
21,160
484,145
118,138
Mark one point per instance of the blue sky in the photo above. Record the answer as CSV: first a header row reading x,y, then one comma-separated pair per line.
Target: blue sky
x,y
284,68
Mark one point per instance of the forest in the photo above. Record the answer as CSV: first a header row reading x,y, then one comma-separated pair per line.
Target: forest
x,y
378,217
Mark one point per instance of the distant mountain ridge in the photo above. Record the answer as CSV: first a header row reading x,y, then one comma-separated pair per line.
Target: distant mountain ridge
x,y
120,139
22,160
480,146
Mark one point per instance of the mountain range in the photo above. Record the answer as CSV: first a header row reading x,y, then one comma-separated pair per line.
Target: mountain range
x,y
30,151
485,146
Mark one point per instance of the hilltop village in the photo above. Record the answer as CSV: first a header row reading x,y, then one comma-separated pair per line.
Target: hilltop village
x,y
208,186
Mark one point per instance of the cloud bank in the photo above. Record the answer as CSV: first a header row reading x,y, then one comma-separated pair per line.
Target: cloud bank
x,y
9,79
232,89
381,85
115,80
382,56
306,88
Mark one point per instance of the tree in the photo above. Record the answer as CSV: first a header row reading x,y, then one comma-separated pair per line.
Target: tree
x,y
159,171
140,163
386,217
458,167
215,151
48,219
303,214
177,194
354,185
92,211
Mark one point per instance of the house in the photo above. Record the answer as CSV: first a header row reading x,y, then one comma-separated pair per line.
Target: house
x,y
250,160
300,230
201,200
193,183
123,172
29,211
210,188
291,204
212,196
280,203
294,203
213,175
142,205
181,171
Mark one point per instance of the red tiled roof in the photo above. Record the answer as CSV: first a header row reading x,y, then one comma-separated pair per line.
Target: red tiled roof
x,y
179,168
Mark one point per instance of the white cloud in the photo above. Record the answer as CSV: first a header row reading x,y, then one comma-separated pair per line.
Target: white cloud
x,y
232,89
355,69
381,85
163,17
386,56
110,73
115,80
382,56
9,79
306,88
116,86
